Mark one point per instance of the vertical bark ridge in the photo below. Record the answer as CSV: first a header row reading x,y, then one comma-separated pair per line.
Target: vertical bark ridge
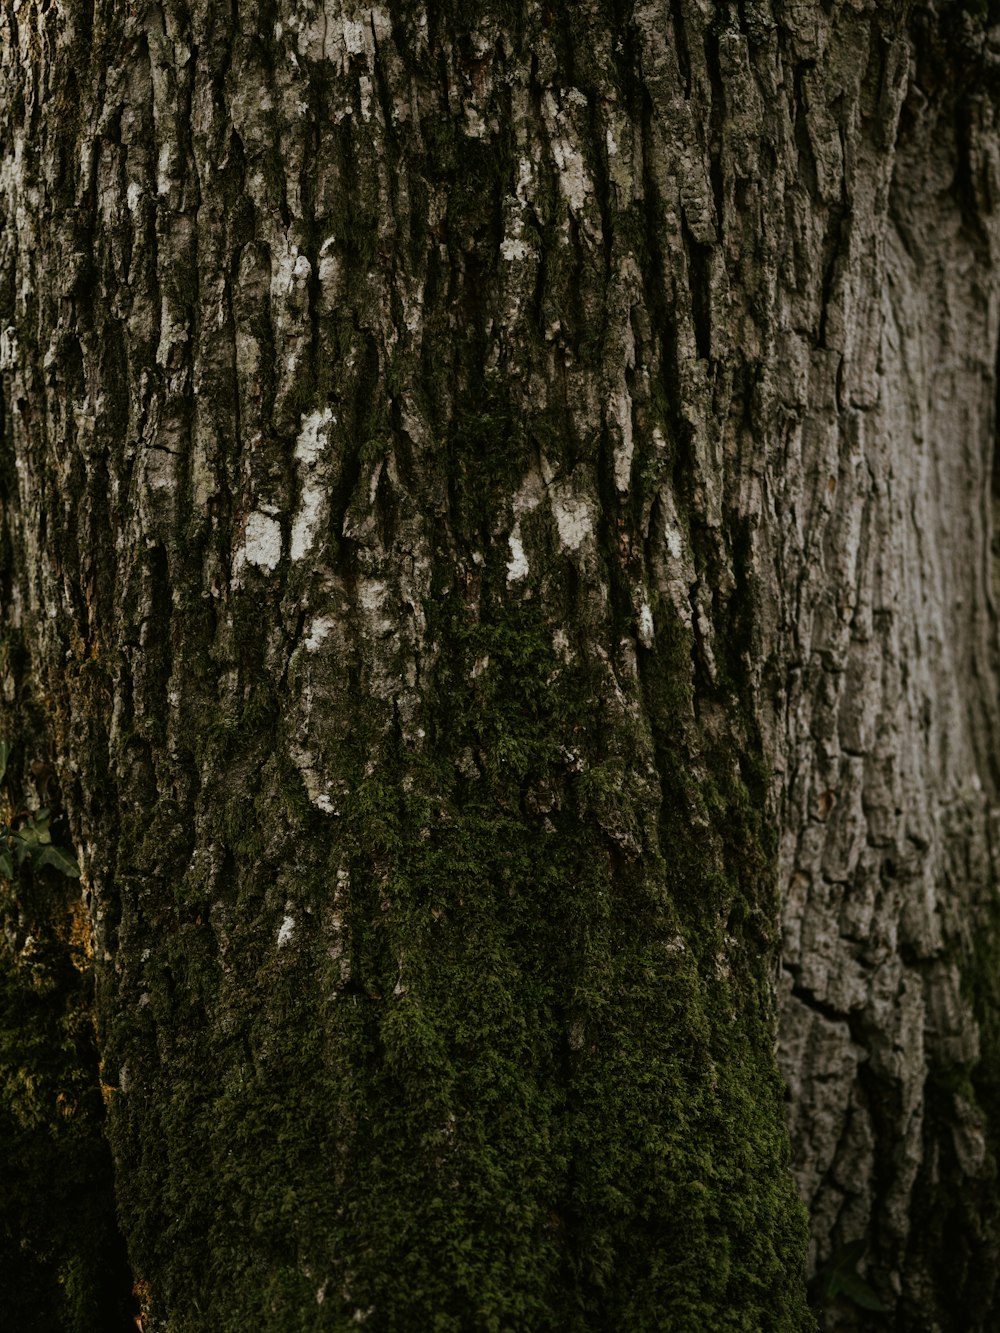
x,y
483,514
890,696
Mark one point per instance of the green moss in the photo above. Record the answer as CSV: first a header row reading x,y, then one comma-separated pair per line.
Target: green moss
x,y
510,1067
521,1093
576,1125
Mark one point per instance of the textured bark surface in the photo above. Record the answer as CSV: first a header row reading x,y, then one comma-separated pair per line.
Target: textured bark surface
x,y
496,541
885,696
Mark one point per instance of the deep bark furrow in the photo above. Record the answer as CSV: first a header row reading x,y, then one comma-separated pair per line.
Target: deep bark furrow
x,y
496,512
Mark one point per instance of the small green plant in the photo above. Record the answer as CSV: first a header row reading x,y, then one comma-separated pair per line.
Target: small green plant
x,y
842,1281
26,837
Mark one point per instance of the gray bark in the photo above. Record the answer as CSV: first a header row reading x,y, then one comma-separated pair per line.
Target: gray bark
x,y
884,689
497,548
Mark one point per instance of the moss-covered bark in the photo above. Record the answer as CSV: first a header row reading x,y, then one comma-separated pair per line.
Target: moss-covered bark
x,y
392,401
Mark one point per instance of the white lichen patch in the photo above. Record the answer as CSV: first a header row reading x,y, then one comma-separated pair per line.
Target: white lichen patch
x,y
674,540
286,931
319,631
290,269
164,172
8,348
646,627
512,248
357,37
325,32
574,518
308,449
317,788
330,274
574,179
310,444
621,413
517,565
262,541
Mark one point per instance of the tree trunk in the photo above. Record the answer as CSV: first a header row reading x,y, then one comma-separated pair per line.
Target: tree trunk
x,y
497,583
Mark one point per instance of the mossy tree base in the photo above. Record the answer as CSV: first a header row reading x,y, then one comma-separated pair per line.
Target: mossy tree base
x,y
410,420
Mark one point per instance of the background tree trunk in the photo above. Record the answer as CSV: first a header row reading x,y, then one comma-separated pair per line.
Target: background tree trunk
x,y
496,529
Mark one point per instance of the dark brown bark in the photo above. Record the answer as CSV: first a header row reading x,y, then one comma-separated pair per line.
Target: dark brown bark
x,y
497,518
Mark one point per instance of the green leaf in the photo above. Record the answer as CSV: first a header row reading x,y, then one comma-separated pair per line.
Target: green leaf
x,y
59,859
34,833
6,865
4,752
843,1280
856,1289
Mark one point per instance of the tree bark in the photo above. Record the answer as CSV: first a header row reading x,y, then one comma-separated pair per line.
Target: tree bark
x,y
497,580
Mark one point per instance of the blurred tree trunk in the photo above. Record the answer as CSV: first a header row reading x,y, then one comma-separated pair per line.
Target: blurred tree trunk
x,y
496,524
